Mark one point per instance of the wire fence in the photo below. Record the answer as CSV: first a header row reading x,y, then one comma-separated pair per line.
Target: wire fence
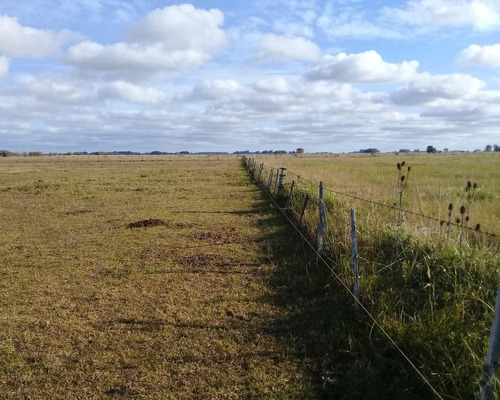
x,y
302,203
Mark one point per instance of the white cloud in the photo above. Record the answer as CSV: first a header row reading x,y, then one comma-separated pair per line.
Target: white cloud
x,y
4,66
218,89
487,56
129,92
276,84
19,41
427,88
276,47
361,67
429,15
168,39
55,92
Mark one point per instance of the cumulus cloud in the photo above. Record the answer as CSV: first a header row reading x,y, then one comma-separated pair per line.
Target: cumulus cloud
x,y
168,39
361,67
130,92
426,88
487,56
19,41
276,47
428,15
4,66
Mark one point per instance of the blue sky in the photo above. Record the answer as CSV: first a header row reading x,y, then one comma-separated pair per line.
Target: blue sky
x,y
102,75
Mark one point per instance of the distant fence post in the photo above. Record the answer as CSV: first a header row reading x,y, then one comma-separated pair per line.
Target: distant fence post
x,y
281,183
491,366
289,200
355,258
260,172
269,183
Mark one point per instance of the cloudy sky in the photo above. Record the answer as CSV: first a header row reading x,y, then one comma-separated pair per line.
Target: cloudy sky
x,y
226,75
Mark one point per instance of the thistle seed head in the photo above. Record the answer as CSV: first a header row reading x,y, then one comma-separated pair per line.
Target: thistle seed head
x,y
450,206
402,178
462,210
478,227
398,165
457,220
469,184
403,163
409,169
475,185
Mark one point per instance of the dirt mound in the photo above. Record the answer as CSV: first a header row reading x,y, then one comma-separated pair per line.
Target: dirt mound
x,y
146,223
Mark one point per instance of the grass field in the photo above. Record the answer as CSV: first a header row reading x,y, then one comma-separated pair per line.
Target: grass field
x,y
91,309
435,180
430,285
221,299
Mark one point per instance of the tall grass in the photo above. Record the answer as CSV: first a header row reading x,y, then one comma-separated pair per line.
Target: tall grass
x,y
431,285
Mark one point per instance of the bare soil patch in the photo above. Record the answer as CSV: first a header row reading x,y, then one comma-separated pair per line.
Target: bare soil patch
x,y
146,223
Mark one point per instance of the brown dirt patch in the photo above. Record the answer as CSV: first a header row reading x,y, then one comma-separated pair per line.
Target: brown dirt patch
x,y
224,236
146,223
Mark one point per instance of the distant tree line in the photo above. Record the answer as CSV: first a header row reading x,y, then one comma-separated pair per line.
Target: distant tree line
x,y
490,147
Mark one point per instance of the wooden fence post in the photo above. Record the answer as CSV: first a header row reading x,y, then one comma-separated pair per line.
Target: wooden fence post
x,y
260,172
269,183
355,258
281,183
491,366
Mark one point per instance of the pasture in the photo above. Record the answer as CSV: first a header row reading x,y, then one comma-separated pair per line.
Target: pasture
x,y
184,309
177,278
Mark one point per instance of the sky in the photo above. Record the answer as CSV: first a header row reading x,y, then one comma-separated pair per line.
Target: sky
x,y
227,75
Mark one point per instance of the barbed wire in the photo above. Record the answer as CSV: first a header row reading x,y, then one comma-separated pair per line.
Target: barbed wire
x,y
391,207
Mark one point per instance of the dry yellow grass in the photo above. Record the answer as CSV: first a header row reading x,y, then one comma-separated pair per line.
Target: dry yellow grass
x,y
91,309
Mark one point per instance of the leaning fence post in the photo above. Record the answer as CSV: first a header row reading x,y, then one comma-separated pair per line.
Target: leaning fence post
x,y
355,258
289,200
260,172
303,209
491,366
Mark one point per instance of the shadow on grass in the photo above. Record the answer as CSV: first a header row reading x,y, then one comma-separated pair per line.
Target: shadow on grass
x,y
346,356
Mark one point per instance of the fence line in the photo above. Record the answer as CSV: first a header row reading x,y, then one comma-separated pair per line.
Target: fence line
x,y
391,207
344,285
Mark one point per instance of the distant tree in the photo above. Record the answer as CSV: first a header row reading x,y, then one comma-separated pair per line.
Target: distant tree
x,y
496,147
446,150
300,150
35,154
431,149
488,147
6,153
371,150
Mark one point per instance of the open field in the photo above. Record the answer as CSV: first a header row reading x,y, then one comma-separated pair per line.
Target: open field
x,y
91,309
431,286
222,300
435,180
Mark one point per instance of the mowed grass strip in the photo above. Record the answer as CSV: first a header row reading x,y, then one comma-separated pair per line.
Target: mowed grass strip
x,y
91,309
